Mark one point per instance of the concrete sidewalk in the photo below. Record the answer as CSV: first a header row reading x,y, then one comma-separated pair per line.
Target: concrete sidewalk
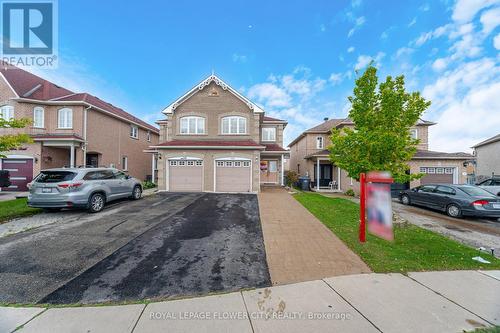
x,y
298,246
420,302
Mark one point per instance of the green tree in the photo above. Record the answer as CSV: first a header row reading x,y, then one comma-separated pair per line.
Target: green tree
x,y
13,141
380,140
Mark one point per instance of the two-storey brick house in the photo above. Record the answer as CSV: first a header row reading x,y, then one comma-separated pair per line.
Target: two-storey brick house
x,y
216,140
309,155
69,129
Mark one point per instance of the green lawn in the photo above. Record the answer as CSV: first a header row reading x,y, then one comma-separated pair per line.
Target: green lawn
x,y
16,208
414,248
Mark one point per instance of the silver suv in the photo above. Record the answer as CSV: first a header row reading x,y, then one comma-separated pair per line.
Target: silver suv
x,y
491,185
90,188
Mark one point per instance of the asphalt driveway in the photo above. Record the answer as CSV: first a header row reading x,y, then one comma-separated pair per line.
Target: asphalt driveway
x,y
161,246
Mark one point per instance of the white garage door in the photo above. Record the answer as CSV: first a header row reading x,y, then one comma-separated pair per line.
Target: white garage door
x,y
233,176
185,175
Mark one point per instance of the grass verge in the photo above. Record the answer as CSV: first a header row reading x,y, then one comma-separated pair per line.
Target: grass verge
x,y
11,209
413,249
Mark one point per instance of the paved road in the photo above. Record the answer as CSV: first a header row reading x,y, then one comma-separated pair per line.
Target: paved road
x,y
474,232
158,246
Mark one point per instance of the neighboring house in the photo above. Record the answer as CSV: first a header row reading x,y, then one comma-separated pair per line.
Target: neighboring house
x,y
216,140
487,155
69,129
309,155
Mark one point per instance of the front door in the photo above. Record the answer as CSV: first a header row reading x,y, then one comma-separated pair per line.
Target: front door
x,y
92,160
325,174
269,171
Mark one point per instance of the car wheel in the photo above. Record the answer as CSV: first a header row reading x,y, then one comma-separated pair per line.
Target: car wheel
x,y
405,199
136,192
453,211
96,202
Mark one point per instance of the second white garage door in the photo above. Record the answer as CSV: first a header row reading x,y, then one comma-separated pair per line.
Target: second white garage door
x,y
185,175
233,176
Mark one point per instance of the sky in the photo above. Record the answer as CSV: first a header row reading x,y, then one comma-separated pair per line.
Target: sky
x,y
297,59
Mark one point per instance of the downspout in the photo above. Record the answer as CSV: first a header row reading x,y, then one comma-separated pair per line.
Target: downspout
x,y
85,135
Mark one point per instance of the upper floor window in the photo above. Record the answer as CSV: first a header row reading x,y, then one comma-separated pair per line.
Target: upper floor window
x,y
414,133
134,131
65,118
319,142
7,112
38,117
148,136
192,125
269,134
234,125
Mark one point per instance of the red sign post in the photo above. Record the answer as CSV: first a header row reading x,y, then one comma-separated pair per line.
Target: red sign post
x,y
373,177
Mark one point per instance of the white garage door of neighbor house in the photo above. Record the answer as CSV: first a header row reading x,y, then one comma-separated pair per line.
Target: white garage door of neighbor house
x,y
185,175
233,176
440,175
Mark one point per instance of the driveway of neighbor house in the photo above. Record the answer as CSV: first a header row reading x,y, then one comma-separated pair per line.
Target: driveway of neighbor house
x,y
298,246
164,245
475,232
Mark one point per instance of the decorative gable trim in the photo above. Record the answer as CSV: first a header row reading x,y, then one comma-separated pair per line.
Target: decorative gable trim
x,y
212,78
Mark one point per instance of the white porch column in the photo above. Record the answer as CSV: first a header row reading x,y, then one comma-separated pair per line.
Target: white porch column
x,y
153,168
338,177
72,156
317,174
282,171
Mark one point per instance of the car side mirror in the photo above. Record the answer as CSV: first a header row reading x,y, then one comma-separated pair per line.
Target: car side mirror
x,y
127,177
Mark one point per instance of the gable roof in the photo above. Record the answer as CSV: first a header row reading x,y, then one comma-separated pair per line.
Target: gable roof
x,y
488,141
34,88
212,78
327,125
430,154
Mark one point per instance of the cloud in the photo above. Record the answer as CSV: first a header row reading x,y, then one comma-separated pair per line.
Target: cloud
x,y
364,60
335,78
322,27
350,49
490,20
462,99
439,64
436,33
358,23
356,3
269,94
496,42
465,10
424,8
412,23
239,58
404,51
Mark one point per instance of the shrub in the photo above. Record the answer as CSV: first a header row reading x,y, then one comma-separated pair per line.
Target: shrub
x,y
350,192
292,178
147,185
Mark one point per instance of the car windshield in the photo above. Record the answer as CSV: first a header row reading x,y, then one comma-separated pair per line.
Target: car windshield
x,y
475,191
54,176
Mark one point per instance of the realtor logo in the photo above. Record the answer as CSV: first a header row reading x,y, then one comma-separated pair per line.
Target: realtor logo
x,y
29,33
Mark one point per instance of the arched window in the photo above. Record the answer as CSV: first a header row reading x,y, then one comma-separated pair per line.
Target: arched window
x,y
234,125
7,112
192,125
65,118
38,117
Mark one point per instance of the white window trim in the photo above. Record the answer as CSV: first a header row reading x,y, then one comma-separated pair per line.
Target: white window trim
x,y
414,130
320,146
134,131
35,109
273,136
238,125
10,111
196,125
148,136
68,124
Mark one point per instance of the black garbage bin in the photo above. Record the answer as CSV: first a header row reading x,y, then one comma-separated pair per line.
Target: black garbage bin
x,y
304,183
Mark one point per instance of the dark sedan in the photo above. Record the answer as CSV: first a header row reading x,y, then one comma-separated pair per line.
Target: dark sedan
x,y
455,200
